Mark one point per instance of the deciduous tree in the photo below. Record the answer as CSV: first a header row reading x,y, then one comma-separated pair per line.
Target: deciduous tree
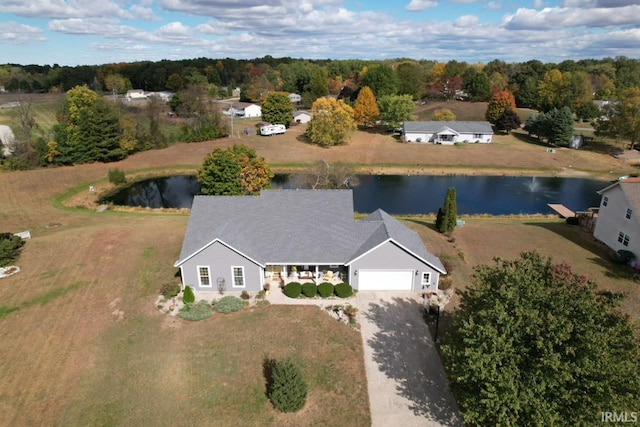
x,y
535,344
235,170
278,109
365,110
498,104
621,117
382,79
396,109
443,114
332,122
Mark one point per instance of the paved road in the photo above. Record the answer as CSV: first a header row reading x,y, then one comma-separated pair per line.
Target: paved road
x,y
407,384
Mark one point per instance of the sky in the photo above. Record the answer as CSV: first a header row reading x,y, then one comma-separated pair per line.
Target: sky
x,y
93,32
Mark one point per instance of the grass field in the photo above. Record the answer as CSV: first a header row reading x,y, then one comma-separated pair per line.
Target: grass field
x,y
81,342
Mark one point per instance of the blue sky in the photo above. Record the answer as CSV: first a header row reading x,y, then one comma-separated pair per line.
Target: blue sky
x,y
88,32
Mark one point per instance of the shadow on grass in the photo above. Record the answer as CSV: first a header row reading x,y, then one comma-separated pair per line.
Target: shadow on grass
x,y
429,223
404,351
267,371
529,139
586,241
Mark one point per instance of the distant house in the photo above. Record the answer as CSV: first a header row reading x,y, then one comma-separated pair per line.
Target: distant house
x,y
618,223
162,96
241,243
447,133
295,98
135,94
2,89
244,109
301,117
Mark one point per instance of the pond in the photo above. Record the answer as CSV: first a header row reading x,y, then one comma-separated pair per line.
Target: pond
x,y
400,194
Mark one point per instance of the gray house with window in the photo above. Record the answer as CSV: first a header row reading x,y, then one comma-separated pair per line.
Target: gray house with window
x,y
447,133
617,225
242,242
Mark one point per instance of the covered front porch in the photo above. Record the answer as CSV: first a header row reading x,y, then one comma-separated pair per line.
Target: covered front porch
x,y
281,274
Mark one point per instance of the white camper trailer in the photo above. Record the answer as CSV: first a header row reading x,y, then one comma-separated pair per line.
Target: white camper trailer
x,y
268,130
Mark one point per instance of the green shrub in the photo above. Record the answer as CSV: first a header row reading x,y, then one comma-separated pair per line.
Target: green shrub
x,y
228,304
288,389
194,312
170,290
309,289
325,289
260,295
116,176
188,296
293,289
10,247
343,290
245,295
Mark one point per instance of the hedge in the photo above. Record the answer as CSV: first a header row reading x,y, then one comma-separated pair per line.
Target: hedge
x,y
343,290
309,289
293,289
325,289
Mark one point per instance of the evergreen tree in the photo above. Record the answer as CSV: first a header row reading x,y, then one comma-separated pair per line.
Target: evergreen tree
x,y
449,216
288,389
365,111
278,109
560,126
508,121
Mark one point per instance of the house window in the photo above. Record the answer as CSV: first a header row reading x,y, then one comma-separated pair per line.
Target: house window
x,y
426,279
605,201
629,212
204,276
477,136
623,238
238,277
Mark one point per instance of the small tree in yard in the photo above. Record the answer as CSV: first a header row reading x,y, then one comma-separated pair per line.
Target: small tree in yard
x,y
443,115
508,121
534,344
448,216
365,110
277,108
287,388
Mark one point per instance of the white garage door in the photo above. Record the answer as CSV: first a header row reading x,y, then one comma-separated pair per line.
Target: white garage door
x,y
385,280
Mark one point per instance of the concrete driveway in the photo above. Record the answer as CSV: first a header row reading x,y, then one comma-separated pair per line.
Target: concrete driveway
x,y
407,384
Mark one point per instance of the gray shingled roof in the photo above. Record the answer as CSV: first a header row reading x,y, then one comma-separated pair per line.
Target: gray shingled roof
x,y
294,226
387,227
460,127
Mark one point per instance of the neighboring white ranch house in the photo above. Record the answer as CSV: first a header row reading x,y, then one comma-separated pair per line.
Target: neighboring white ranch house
x,y
301,117
241,243
618,224
244,109
447,133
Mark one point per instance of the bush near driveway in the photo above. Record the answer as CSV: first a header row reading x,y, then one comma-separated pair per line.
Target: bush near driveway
x,y
325,289
343,290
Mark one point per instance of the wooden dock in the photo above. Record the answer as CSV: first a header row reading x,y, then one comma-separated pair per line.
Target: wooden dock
x,y
562,210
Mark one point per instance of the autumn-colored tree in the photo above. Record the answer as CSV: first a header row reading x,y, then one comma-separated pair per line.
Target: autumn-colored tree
x,y
332,122
365,111
498,104
552,91
175,82
235,170
443,115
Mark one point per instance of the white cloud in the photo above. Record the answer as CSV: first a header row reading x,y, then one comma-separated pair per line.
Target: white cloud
x,y
466,21
145,13
61,9
493,5
538,3
14,33
551,18
420,5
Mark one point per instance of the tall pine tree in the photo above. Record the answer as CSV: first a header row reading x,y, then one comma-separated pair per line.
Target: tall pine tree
x,y
448,216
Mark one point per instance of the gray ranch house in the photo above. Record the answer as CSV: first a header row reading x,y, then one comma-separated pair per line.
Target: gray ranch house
x,y
447,133
242,242
618,224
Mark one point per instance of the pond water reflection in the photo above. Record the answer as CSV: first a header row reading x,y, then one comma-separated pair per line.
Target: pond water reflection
x,y
400,194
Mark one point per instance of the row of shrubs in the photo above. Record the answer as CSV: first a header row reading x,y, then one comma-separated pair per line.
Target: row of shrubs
x,y
324,290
